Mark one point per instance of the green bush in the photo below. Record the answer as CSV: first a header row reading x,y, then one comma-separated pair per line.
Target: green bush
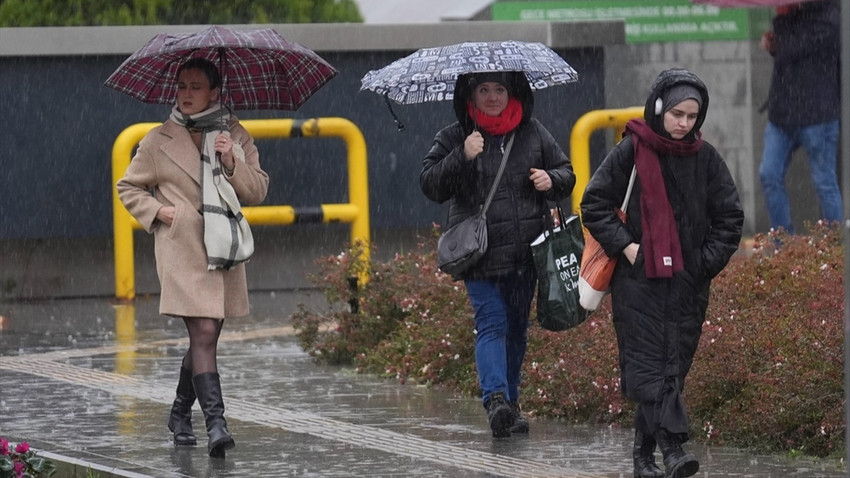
x,y
769,369
768,374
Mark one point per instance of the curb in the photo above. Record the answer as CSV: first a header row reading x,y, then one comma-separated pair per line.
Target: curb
x,y
68,467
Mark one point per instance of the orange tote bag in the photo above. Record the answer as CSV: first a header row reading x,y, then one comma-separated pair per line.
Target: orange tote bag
x,y
596,267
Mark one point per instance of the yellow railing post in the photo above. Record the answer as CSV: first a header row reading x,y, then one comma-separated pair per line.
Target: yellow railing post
x,y
580,142
358,181
122,222
356,211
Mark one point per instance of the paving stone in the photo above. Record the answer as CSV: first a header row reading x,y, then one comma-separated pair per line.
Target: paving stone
x,y
87,380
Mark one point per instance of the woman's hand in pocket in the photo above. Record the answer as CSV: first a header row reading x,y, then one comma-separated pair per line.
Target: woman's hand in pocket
x,y
631,252
165,215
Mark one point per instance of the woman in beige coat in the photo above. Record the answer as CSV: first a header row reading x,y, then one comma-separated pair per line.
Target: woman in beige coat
x,y
177,186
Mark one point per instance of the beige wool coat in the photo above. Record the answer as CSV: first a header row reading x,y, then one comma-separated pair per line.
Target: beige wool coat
x,y
166,171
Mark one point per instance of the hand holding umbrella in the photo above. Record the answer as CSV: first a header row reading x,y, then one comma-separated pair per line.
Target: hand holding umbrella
x,y
224,148
473,146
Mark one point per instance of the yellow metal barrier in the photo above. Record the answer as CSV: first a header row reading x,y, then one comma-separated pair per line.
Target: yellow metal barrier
x,y
580,142
356,211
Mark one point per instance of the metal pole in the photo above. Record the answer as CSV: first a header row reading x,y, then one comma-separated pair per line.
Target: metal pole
x,y
845,182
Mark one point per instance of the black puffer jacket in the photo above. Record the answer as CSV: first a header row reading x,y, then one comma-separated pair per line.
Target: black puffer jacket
x,y
516,215
659,321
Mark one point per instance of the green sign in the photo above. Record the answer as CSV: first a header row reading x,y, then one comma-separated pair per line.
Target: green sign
x,y
646,21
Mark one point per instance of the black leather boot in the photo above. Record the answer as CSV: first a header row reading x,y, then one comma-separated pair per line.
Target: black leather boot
x,y
520,422
644,455
677,463
180,420
208,388
499,415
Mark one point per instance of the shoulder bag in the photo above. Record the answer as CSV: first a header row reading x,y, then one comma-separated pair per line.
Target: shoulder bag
x,y
463,244
596,267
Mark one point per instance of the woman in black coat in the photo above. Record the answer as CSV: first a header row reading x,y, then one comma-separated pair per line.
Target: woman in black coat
x,y
460,168
683,224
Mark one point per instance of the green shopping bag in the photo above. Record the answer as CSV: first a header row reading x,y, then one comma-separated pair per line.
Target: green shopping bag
x,y
557,258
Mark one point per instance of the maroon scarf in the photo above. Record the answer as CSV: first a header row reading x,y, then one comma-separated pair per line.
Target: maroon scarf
x,y
661,248
500,125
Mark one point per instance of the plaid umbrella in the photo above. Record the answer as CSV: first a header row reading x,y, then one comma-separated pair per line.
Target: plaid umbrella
x,y
429,74
259,68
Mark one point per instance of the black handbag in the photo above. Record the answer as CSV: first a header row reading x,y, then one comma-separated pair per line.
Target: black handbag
x,y
463,244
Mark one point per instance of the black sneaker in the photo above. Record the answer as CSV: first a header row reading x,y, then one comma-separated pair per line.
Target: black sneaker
x,y
520,422
499,415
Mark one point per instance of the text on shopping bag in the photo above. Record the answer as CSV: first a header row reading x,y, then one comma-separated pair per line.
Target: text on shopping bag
x,y
569,270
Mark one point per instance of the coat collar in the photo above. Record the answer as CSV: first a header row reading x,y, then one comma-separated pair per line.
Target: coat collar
x,y
180,148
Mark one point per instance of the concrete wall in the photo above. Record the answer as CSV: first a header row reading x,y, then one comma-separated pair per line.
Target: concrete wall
x,y
60,122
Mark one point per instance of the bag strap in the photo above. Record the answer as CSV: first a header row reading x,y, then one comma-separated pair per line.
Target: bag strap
x,y
505,154
629,190
549,220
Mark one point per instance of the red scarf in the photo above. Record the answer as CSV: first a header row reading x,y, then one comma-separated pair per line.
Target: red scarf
x,y
660,243
786,9
500,125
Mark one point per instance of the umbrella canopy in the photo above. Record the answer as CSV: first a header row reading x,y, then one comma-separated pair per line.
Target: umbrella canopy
x,y
748,3
429,74
259,68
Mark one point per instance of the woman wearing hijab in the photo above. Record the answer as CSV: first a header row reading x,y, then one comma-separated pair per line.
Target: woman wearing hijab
x,y
493,109
677,237
185,185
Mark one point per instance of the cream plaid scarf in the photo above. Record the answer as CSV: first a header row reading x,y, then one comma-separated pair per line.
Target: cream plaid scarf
x,y
227,235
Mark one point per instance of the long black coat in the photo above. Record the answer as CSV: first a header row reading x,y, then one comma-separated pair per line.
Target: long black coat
x,y
659,321
516,215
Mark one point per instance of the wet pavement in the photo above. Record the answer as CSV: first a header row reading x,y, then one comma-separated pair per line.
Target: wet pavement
x,y
91,382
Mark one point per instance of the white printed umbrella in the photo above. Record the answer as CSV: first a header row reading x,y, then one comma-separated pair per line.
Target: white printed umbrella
x,y
429,74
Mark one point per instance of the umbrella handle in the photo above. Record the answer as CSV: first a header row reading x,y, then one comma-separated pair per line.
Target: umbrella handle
x,y
398,123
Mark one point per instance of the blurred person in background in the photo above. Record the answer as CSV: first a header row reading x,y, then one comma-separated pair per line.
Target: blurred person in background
x,y
803,106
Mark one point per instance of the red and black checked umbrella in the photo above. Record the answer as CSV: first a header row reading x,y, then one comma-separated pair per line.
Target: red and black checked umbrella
x,y
259,68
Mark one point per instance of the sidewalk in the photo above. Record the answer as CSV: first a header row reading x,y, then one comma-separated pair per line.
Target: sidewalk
x,y
91,383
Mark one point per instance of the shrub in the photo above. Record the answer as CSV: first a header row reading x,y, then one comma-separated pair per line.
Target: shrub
x,y
775,330
413,321
574,374
768,373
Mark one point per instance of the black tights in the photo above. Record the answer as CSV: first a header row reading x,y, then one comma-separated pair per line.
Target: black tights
x,y
203,341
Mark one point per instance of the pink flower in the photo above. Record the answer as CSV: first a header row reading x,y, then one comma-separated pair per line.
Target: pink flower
x,y
4,446
22,447
19,468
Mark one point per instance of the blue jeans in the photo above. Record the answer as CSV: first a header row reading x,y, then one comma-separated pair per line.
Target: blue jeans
x,y
820,142
501,324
